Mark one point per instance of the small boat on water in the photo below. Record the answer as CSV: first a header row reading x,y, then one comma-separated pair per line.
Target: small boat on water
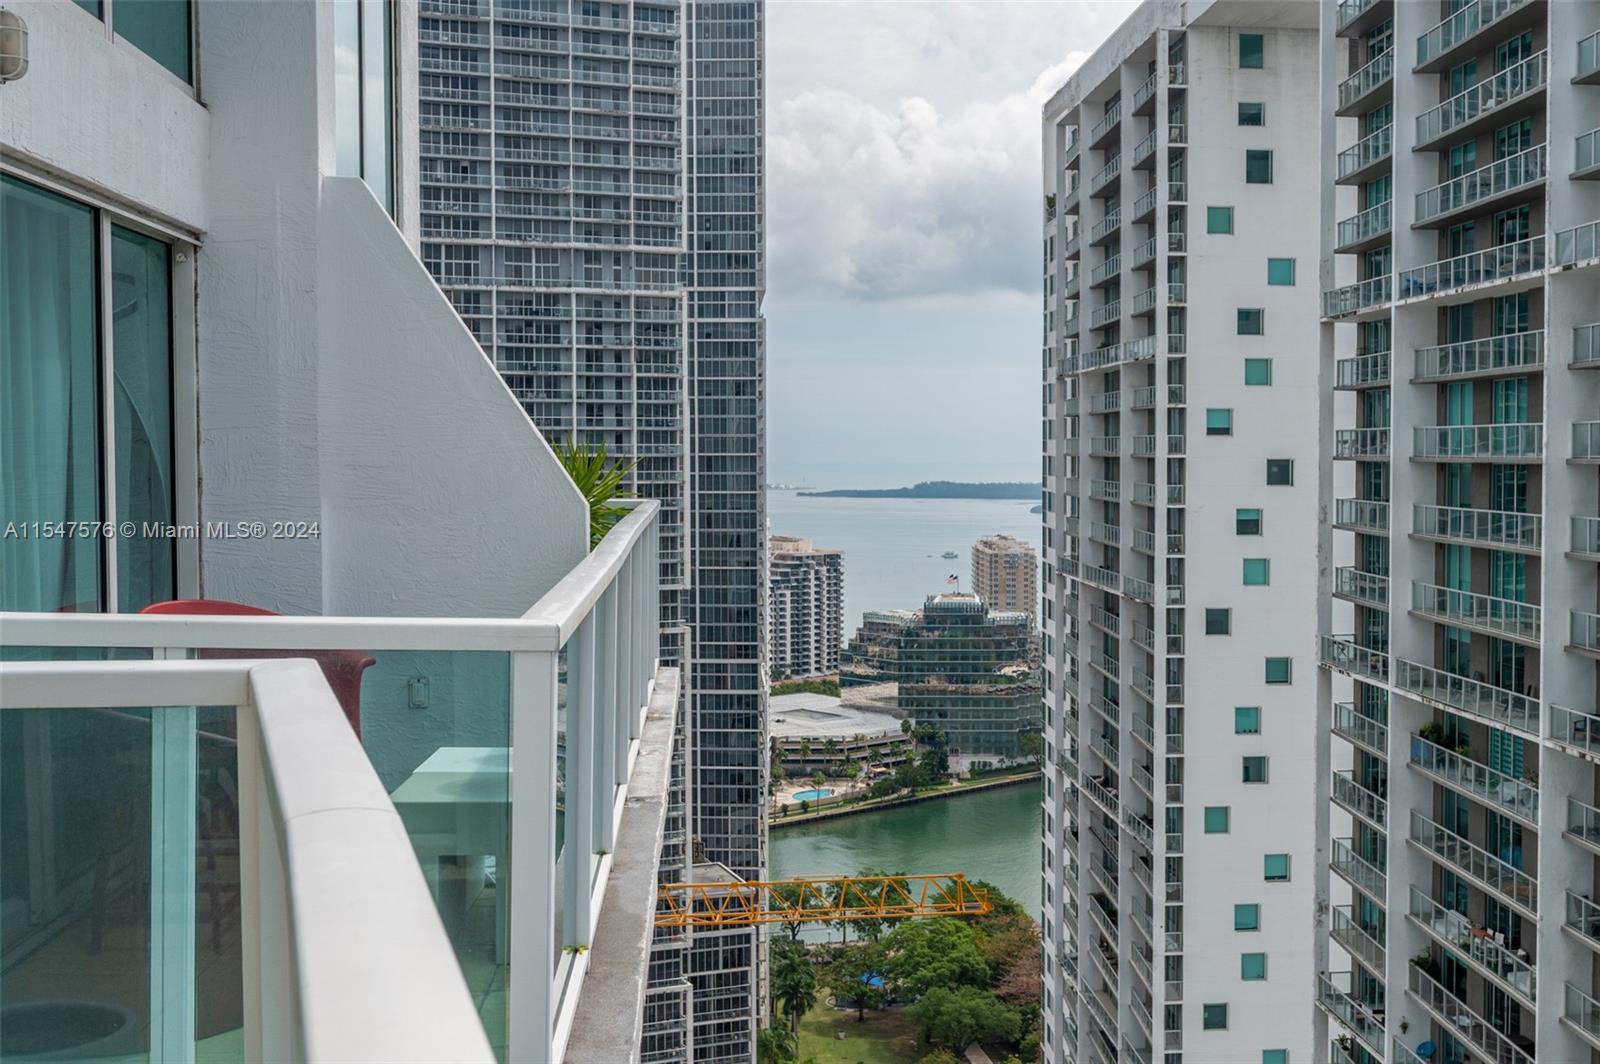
x,y
949,554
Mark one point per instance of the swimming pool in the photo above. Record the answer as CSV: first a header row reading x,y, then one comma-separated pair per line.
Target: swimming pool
x,y
812,795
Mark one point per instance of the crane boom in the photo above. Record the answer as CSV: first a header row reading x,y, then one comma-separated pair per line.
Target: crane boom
x,y
831,898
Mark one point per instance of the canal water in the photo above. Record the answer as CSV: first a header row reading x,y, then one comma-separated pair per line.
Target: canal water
x,y
991,835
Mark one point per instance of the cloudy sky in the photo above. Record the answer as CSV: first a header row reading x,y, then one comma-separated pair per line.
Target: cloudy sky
x,y
903,184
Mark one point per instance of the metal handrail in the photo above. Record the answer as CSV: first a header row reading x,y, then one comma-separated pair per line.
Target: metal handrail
x,y
1458,934
1512,351
1370,588
1366,79
1470,19
1360,370
1454,605
1362,513
1489,786
1488,94
1501,263
1499,177
1459,853
1498,528
1506,709
1366,151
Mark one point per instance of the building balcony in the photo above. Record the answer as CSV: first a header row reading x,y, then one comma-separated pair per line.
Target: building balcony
x,y
1363,299
1141,590
1361,444
1356,800
1366,230
1355,17
1583,825
1362,371
1367,87
1107,124
1358,871
1582,920
1336,995
1578,246
1438,48
1363,160
1144,97
1102,577
1106,182
1588,60
1581,1014
1585,538
1144,445
1105,315
1360,730
1106,227
1506,618
1488,872
1105,271
1362,943
1484,954
1493,355
1513,797
1482,189
1478,269
1144,152
1105,402
1497,529
1491,102
1369,589
1145,302
1343,654
1515,443
1361,515
1586,156
1585,441
1144,254
1460,694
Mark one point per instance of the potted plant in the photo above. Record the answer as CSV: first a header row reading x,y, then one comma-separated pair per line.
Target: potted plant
x,y
1431,731
1425,964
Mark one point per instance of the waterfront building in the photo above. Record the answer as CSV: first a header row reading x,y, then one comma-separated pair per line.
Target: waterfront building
x,y
812,732
214,320
1005,575
593,204
805,607
1458,636
1179,610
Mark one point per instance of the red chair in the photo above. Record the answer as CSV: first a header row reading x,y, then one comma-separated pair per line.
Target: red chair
x,y
342,668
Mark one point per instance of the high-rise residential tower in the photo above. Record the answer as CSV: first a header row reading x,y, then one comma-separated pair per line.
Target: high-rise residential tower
x,y
593,204
1181,462
1461,330
1005,574
805,607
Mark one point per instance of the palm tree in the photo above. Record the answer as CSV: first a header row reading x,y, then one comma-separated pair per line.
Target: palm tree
x,y
794,983
600,482
776,1045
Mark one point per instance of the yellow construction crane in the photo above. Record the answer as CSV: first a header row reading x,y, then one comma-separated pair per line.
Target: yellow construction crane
x,y
788,901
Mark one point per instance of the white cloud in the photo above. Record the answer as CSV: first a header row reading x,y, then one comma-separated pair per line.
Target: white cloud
x,y
903,143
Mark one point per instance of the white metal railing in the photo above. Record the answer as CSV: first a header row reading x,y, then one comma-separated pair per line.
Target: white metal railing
x,y
1362,513
1520,620
1461,25
1499,177
1370,223
1144,397
1577,244
1366,151
1144,149
1493,788
1099,316
1493,528
1105,402
1502,263
1146,89
1354,298
1103,178
1109,268
1457,933
1493,873
1361,443
1463,1022
598,626
1492,92
1462,694
1111,222
1365,80
1491,354
344,955
1107,122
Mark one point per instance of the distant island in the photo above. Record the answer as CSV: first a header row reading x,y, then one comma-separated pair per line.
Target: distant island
x,y
937,489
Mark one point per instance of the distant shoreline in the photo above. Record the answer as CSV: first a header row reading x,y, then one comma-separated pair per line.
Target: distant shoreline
x,y
937,489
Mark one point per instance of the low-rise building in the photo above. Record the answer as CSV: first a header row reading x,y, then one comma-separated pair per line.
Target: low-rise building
x,y
805,607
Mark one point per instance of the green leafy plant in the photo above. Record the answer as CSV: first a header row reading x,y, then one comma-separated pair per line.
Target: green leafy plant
x,y
600,482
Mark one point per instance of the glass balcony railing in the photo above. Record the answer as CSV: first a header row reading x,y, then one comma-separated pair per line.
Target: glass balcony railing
x,y
1361,443
1355,298
1110,312
1492,354
1463,1023
1369,150
1370,224
1497,179
1343,653
1490,94
1493,788
1575,729
1366,804
1585,441
1486,528
1478,944
1473,443
1518,620
1365,944
1105,402
1370,733
1589,56
1583,823
1582,1011
1336,993
1578,244
1586,630
1586,536
1462,694
1145,204
1586,150
1503,263
1144,302
1370,589
1362,371
1358,870
1144,253
1364,514
1583,917
1350,10
1490,872
1461,26
1363,82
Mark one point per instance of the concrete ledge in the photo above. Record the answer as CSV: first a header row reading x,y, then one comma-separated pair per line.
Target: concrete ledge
x,y
610,1017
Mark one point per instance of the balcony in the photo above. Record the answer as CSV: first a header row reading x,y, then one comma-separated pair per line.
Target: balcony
x,y
1358,801
1460,694
1583,920
1519,443
1453,1014
1514,886
1583,825
1361,730
1356,300
1342,654
1353,17
1144,152
1361,444
1105,402
1361,515
1578,246
1368,589
1362,943
1107,124
1478,945
1492,355
1145,302
1488,614
1105,271
1106,227
1144,254
1588,60
1368,229
1496,265
1109,314
1361,161
1491,101
1585,441
1357,870
1586,156
1498,529
1336,995
1367,87
1362,371
1494,789
1581,1013
1585,538
1482,189
341,839
1105,182
1144,97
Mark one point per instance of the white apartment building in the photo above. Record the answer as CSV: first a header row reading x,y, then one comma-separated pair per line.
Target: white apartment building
x,y
1461,312
226,375
1005,575
805,607
1181,463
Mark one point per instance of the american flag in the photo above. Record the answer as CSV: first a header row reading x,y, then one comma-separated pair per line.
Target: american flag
x,y
952,579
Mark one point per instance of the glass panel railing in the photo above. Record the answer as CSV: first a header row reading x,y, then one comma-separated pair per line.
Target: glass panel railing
x,y
1356,798
1586,440
1361,513
1508,709
1109,268
1368,150
1478,944
1361,443
1586,150
1464,1023
1589,55
1471,19
1369,224
1360,371
1146,89
1342,652
1491,354
1491,528
1499,177
1583,822
1454,606
1490,94
1111,222
1489,786
1583,917
1365,80
1577,244
1106,174
1336,992
1475,862
1358,870
1358,728
1586,535
1107,122
1363,943
1586,345
1582,1011
1369,588
1350,10
1354,298
1503,263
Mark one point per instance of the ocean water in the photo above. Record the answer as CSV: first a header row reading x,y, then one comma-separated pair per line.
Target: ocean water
x,y
892,547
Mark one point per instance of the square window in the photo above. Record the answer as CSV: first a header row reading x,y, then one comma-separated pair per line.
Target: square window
x,y
1257,371
1219,219
1251,321
1252,114
1257,166
1252,51
1274,1056
1214,1017
1216,818
1247,917
1280,471
1247,522
1280,271
1275,867
1219,622
1252,967
1219,421
1253,770
1247,720
1257,572
1280,670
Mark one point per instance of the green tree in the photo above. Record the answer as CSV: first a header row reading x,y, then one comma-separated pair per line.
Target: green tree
x,y
939,1055
1030,744
856,975
794,981
776,1045
957,1017
818,778
600,483
793,896
943,952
